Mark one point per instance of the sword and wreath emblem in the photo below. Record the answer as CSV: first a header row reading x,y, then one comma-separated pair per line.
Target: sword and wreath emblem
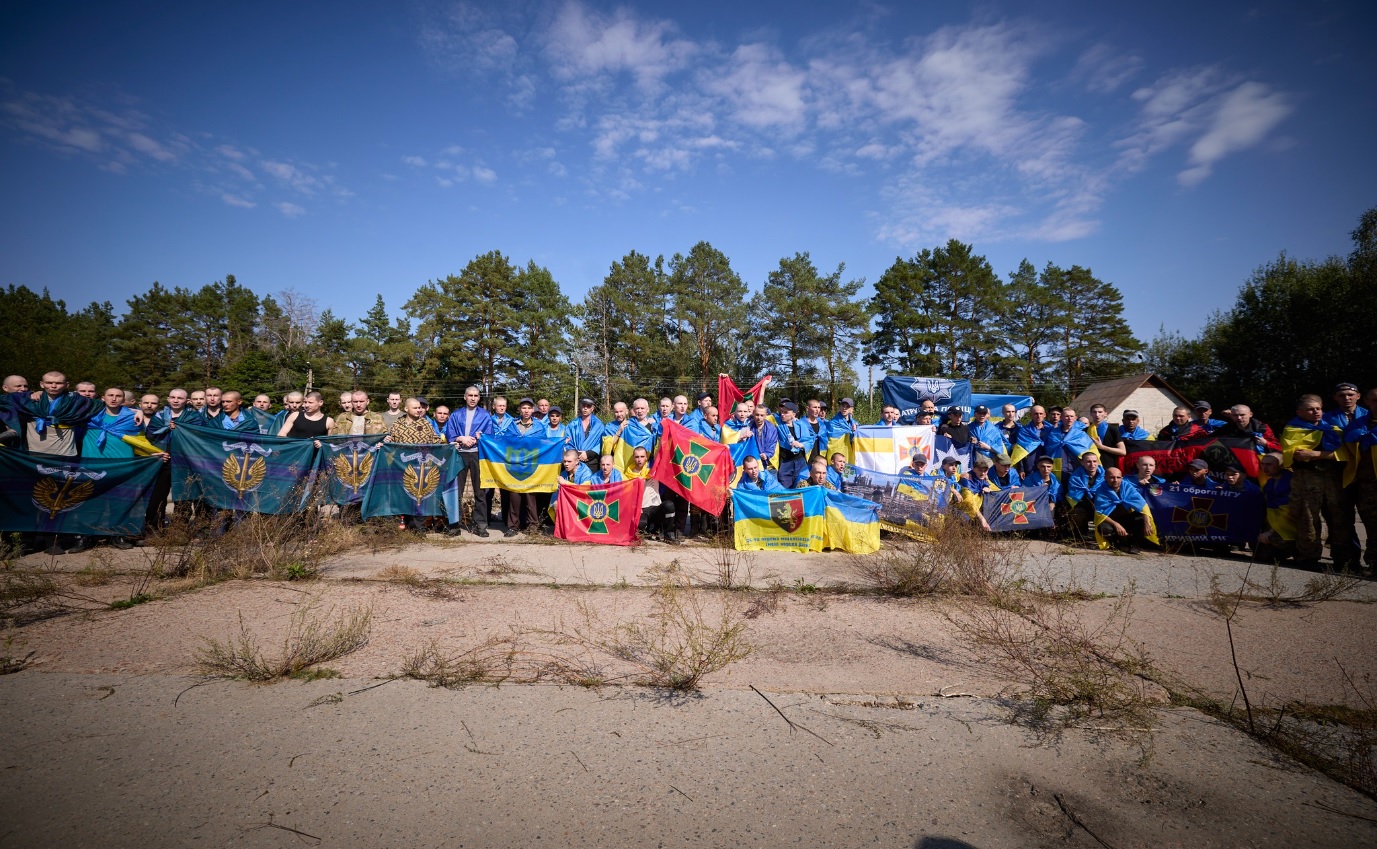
x,y
352,463
241,472
56,497
422,479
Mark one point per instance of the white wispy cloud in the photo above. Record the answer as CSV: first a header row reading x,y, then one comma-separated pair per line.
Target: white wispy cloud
x,y
582,43
290,209
123,140
1215,112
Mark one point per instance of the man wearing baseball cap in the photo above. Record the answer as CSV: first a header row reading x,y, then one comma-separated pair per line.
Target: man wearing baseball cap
x,y
1200,417
585,434
1131,428
1346,413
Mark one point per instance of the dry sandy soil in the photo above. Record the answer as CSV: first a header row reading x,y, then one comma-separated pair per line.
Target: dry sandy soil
x,y
855,720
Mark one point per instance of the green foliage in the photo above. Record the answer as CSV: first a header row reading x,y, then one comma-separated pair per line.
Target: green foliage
x,y
40,335
1296,327
812,324
707,306
1091,340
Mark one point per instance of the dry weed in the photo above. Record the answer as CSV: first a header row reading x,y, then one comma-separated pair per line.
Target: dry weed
x,y
493,661
958,559
688,634
727,568
1274,592
310,639
1064,668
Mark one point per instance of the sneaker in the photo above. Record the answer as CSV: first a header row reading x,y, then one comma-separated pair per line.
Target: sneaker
x,y
510,532
481,532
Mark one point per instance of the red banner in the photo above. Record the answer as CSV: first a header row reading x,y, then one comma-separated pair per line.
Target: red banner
x,y
606,513
693,466
728,395
1173,457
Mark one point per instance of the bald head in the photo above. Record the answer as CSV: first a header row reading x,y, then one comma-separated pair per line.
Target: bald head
x,y
16,383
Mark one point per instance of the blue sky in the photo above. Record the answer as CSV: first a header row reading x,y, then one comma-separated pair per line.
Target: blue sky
x,y
345,149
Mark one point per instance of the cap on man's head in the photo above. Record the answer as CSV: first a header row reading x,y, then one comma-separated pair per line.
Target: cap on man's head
x,y
587,402
848,402
554,408
982,409
1003,459
951,461
1341,387
1198,463
1130,414
982,462
1202,405
1044,459
1234,467
788,405
525,402
919,458
956,410
702,395
424,402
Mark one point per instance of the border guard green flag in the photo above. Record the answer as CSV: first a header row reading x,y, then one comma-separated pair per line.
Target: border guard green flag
x,y
240,470
414,480
69,495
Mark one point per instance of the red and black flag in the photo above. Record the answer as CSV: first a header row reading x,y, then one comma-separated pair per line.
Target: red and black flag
x,y
1174,456
694,466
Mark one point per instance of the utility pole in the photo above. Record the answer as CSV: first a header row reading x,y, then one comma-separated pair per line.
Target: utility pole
x,y
870,390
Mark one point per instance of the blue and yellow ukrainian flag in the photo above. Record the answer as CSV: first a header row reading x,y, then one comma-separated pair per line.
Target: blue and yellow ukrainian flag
x,y
519,463
853,524
782,521
633,436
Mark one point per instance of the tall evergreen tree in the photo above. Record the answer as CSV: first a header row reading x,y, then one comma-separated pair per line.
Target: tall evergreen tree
x,y
1093,341
708,298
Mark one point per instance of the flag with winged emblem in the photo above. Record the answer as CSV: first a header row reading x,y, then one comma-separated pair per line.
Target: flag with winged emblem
x,y
95,495
414,480
606,513
343,465
693,466
240,470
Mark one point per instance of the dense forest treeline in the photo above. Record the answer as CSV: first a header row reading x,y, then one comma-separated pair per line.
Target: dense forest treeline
x,y
655,326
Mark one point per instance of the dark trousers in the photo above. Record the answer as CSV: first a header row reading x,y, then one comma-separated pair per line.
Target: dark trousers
x,y
520,510
1073,520
468,478
791,470
1132,522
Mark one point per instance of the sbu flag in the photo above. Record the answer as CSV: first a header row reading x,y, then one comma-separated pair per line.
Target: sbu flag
x,y
693,466
606,514
519,464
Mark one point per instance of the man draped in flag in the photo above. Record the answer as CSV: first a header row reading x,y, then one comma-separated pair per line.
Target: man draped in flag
x,y
1122,517
1310,448
1067,443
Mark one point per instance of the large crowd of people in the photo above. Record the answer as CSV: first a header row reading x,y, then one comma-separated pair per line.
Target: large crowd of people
x,y
1318,473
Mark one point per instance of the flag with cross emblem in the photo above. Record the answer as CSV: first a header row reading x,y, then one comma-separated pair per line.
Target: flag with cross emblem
x,y
603,513
693,466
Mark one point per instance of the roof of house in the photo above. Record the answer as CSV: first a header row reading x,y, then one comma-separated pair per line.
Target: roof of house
x,y
1113,393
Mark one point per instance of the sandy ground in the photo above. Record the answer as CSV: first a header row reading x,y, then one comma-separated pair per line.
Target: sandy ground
x,y
98,750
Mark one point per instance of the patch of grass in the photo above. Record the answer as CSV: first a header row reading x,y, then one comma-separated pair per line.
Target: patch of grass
x,y
318,673
312,638
11,660
399,574
126,603
97,572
